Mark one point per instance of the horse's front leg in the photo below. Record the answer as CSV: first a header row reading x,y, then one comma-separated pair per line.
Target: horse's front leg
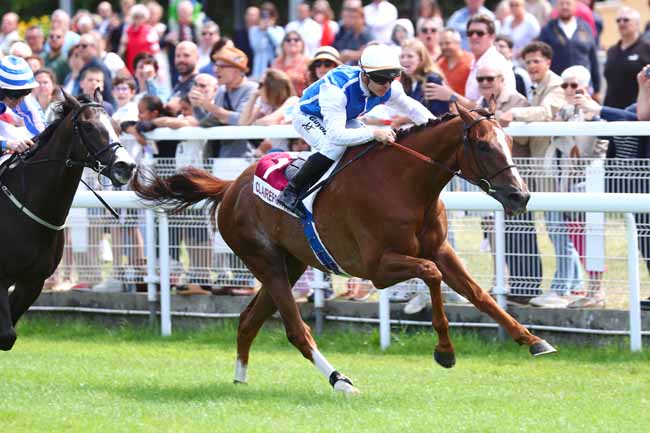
x,y
457,277
23,296
7,331
395,268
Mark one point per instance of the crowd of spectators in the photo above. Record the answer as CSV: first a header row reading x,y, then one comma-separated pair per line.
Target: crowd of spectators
x,y
525,60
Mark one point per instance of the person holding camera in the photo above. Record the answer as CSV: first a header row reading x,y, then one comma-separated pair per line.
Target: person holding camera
x,y
265,38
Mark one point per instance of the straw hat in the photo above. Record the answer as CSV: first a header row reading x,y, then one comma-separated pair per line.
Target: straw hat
x,y
326,53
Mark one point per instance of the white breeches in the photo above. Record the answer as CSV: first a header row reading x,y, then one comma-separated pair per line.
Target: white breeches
x,y
312,130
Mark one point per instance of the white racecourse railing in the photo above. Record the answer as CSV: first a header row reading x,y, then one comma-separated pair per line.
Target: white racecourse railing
x,y
586,202
516,129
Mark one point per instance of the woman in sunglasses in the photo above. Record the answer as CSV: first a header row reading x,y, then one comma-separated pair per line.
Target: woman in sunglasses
x,y
292,60
329,109
325,59
16,84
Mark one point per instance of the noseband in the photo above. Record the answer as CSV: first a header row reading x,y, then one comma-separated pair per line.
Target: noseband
x,y
482,182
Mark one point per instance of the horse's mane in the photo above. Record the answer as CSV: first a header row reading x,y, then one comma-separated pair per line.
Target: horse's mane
x,y
59,110
432,122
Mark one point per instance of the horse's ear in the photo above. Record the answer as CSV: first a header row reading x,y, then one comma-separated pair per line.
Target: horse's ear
x,y
70,100
492,104
98,96
464,114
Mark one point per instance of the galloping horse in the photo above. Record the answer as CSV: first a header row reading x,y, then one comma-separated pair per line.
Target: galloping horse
x,y
38,189
382,221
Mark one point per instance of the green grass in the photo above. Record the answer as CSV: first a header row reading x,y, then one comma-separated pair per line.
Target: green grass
x,y
79,377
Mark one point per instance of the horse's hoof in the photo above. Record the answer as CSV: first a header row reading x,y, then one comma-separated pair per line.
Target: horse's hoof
x,y
541,348
346,388
7,339
445,359
239,382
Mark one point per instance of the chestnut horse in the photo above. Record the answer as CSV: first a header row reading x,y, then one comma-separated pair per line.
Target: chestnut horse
x,y
382,221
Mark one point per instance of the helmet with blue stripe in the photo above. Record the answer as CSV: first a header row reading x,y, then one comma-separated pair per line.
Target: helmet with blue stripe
x,y
15,74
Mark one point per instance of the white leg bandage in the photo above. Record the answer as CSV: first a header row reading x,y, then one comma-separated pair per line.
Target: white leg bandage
x,y
240,371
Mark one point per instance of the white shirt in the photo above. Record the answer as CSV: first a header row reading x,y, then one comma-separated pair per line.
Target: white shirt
x,y
569,27
493,58
523,33
310,31
380,19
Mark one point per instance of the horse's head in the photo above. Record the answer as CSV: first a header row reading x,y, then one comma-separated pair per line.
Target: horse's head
x,y
487,160
100,147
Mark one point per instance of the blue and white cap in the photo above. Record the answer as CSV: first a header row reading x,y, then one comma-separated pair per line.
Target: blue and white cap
x,y
16,74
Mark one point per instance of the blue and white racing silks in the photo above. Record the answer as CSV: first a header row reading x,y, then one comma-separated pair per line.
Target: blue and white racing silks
x,y
30,111
341,96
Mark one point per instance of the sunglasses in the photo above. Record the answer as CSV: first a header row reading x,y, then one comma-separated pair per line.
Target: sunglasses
x,y
292,40
324,63
222,66
427,30
572,85
479,33
486,78
380,79
622,20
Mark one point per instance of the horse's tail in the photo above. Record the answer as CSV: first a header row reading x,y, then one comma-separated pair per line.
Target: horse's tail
x,y
180,191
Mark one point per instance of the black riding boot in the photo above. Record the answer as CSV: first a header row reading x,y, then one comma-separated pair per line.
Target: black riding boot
x,y
315,166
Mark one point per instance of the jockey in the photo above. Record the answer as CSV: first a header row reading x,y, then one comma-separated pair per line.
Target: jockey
x,y
329,108
16,84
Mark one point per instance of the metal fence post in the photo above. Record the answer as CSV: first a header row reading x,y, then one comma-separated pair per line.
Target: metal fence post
x,y
165,301
384,319
634,281
499,289
151,278
318,284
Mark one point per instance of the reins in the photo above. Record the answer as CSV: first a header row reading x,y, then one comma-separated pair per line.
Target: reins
x,y
483,183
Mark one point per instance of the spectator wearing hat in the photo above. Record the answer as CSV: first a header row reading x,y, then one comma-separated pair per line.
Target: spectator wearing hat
x,y
234,91
325,59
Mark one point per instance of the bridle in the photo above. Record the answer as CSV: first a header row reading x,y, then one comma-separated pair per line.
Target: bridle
x,y
482,182
91,161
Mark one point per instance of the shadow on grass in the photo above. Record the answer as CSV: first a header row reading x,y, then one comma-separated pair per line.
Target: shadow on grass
x,y
204,393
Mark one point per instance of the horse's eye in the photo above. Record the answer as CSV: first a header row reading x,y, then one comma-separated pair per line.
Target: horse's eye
x,y
483,146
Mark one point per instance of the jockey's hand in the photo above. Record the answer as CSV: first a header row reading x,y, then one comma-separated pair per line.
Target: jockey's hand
x,y
386,136
19,146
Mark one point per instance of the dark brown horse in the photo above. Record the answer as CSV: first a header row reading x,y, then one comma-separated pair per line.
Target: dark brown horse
x,y
37,192
382,221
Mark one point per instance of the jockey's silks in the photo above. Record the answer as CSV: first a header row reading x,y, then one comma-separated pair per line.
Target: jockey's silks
x,y
348,79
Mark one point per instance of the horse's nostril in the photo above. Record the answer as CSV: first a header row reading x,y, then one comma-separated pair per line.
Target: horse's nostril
x,y
519,197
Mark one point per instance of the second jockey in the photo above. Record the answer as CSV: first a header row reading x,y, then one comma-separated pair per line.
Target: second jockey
x,y
329,109
16,84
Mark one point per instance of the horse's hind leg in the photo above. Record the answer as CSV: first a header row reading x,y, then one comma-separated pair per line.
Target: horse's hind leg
x,y
271,267
395,268
23,296
7,331
457,277
254,316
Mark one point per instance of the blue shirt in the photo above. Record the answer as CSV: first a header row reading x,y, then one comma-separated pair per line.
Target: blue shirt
x,y
347,78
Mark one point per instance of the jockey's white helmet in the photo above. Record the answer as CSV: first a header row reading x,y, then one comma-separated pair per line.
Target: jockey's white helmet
x,y
380,60
15,74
